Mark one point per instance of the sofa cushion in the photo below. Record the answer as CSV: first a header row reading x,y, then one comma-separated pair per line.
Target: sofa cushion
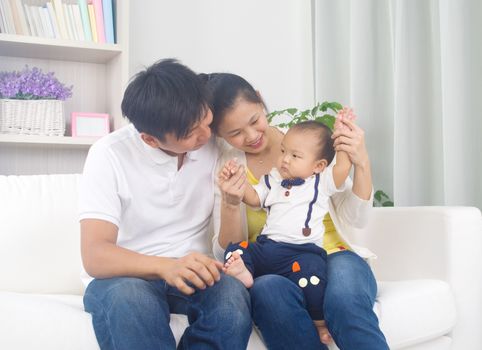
x,y
40,233
34,321
40,321
415,311
410,312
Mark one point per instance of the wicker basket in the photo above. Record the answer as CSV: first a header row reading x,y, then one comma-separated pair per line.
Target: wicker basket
x,y
32,117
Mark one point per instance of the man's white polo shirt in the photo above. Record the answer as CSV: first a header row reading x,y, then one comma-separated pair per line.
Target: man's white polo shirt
x,y
159,210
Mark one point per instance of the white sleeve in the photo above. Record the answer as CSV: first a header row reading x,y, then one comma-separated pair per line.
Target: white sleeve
x,y
98,195
349,208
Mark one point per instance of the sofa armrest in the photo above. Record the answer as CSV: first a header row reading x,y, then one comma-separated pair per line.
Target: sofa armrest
x,y
442,243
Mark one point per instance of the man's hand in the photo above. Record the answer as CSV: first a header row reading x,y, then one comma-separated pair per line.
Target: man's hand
x,y
193,270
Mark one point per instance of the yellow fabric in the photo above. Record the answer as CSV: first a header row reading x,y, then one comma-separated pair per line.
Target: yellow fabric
x,y
256,218
332,242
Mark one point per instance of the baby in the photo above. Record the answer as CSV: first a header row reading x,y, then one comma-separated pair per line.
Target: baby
x,y
295,195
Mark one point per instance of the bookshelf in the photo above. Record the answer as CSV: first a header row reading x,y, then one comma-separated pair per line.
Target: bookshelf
x,y
99,75
61,141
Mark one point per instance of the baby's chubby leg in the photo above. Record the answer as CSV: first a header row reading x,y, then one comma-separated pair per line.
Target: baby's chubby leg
x,y
234,266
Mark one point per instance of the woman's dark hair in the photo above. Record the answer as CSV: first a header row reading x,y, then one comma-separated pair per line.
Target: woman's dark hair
x,y
166,97
324,147
224,90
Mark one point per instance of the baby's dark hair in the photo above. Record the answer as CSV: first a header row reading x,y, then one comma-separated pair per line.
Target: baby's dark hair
x,y
324,146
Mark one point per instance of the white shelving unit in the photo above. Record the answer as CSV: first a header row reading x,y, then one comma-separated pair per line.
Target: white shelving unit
x,y
99,75
61,141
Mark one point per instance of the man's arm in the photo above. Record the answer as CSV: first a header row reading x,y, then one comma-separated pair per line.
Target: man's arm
x,y
103,258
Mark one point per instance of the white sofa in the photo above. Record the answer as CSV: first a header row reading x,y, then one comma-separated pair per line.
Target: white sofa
x,y
430,262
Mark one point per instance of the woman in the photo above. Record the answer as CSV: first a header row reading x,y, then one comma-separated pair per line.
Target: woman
x,y
239,117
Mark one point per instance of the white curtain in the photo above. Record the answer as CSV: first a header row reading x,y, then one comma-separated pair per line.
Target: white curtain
x,y
412,70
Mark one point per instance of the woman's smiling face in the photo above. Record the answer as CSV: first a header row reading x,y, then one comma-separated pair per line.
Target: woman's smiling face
x,y
244,126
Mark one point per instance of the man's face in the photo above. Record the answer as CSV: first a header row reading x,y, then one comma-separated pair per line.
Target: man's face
x,y
197,137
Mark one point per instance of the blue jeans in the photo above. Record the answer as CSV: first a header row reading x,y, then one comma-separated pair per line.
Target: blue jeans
x,y
132,313
280,314
349,299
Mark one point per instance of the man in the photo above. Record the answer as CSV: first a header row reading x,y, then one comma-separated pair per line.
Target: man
x,y
146,198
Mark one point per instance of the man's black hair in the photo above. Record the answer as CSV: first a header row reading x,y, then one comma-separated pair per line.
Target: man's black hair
x,y
166,97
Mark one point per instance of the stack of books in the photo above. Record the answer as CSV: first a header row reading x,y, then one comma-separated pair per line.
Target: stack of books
x,y
84,20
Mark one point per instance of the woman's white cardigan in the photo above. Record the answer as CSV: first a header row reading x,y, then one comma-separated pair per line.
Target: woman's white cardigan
x,y
347,210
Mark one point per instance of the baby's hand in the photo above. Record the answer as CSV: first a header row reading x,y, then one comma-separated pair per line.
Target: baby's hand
x,y
343,115
228,170
232,182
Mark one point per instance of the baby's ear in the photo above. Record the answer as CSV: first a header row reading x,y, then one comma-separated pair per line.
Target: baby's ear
x,y
320,166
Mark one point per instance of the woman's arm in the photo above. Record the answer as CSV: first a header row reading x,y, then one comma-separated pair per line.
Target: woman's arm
x,y
352,141
353,206
231,192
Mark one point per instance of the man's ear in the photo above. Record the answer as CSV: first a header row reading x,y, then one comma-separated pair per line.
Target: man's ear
x,y
150,140
320,166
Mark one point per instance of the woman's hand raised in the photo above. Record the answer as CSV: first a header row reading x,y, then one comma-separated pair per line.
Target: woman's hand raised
x,y
232,183
351,139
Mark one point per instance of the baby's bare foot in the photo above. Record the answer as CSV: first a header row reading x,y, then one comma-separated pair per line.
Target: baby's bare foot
x,y
235,267
323,332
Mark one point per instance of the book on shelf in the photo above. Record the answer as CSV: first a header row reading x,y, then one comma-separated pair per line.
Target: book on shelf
x,y
18,15
3,28
84,14
78,21
37,20
99,20
83,20
28,15
45,20
108,21
59,11
8,17
93,26
53,20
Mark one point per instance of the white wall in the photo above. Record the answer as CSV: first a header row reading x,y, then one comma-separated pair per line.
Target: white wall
x,y
268,42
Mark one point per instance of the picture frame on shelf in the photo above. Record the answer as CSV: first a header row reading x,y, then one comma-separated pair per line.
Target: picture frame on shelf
x,y
90,124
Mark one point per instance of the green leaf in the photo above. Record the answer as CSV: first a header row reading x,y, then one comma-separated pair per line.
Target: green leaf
x,y
335,106
327,120
387,204
324,106
291,111
378,195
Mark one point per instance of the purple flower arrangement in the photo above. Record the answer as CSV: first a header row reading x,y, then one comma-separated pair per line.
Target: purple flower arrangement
x,y
32,84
